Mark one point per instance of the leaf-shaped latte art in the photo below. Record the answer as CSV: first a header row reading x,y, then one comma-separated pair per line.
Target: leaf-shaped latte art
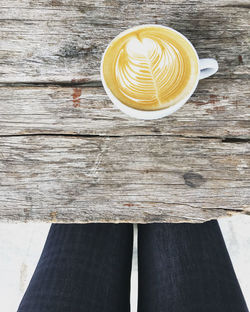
x,y
148,70
150,67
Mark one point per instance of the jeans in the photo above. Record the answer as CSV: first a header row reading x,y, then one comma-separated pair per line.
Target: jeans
x,y
181,267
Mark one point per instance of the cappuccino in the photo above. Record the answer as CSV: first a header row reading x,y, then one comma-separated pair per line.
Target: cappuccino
x,y
150,67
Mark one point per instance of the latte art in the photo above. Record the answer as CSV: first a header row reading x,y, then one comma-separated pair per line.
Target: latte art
x,y
149,68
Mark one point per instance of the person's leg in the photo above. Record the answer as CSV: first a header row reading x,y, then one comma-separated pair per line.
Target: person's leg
x,y
83,268
186,268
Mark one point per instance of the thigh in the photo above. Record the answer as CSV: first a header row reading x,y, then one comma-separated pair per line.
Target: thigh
x,y
83,267
186,268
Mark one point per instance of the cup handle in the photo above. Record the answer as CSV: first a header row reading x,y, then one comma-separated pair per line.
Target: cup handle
x,y
208,67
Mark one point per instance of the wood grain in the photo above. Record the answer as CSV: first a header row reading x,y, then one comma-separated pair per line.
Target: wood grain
x,y
125,179
67,155
62,41
216,109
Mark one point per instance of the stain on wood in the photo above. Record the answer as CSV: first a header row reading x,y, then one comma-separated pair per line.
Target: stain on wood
x,y
79,81
240,58
217,109
55,3
76,96
236,104
53,215
213,98
193,179
128,205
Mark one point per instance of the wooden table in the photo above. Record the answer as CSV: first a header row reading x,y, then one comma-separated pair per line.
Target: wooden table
x,y
67,155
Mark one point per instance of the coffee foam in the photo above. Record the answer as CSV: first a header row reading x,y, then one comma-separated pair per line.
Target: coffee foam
x,y
150,68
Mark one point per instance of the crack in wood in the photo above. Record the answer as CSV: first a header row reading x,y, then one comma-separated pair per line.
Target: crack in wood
x,y
86,82
235,140
237,5
223,139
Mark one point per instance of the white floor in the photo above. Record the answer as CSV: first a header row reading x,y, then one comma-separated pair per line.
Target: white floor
x,y
21,245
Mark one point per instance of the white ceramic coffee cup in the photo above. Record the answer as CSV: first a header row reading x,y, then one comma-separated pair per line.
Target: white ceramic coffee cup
x,y
207,67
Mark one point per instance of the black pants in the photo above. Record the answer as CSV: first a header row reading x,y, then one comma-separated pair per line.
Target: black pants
x,y
86,268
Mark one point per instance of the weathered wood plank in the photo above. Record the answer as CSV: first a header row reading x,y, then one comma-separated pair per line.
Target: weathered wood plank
x,y
62,41
125,179
216,109
168,170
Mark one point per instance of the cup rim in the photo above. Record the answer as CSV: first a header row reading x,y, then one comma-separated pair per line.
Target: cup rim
x,y
147,114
